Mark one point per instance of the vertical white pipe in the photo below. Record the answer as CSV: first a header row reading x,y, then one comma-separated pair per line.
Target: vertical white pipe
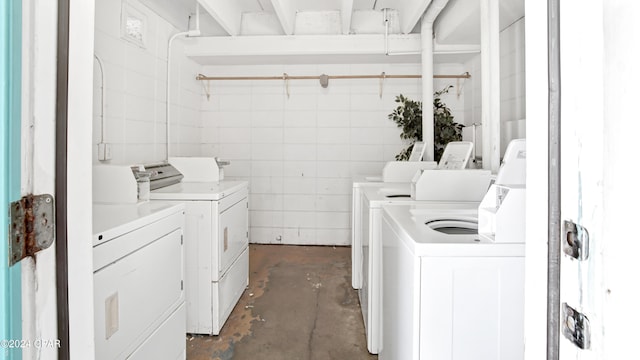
x,y
197,16
490,74
168,105
103,89
426,30
386,32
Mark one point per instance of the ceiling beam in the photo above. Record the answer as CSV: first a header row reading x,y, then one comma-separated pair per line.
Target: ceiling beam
x,y
443,49
286,12
227,13
241,49
410,12
347,11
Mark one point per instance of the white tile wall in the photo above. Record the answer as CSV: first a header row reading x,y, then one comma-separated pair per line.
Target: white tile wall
x,y
512,85
301,151
473,104
136,90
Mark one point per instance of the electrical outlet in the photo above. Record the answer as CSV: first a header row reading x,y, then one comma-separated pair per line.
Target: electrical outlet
x,y
104,151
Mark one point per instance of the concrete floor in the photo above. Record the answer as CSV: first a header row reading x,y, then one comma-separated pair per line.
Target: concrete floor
x,y
299,305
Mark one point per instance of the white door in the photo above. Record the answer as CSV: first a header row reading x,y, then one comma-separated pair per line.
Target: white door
x,y
581,51
599,188
39,295
42,108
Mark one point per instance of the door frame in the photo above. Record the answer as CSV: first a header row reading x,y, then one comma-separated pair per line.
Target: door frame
x,y
10,123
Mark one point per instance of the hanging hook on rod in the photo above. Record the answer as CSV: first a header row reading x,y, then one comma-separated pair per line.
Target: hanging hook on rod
x,y
466,75
206,88
324,79
460,87
285,77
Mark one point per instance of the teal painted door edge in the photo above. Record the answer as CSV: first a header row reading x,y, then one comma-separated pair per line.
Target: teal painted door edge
x,y
10,122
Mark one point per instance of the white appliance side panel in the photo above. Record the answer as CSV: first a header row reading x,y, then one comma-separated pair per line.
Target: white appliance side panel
x,y
375,281
233,234
168,341
400,314
198,264
135,294
228,290
472,308
356,234
364,290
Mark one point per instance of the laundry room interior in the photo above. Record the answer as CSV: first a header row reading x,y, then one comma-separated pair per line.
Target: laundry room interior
x,y
258,179
297,143
266,124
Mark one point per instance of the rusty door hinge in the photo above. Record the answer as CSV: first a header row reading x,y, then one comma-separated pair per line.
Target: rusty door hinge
x,y
32,226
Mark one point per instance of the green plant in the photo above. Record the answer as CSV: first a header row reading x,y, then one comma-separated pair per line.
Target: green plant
x,y
408,116
445,129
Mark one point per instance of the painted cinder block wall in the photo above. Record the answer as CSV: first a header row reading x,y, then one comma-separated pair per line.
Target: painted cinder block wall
x,y
512,83
136,83
512,88
301,151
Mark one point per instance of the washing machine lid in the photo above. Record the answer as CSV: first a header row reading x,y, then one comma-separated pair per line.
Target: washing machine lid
x,y
453,225
198,190
448,225
359,180
417,228
388,192
400,194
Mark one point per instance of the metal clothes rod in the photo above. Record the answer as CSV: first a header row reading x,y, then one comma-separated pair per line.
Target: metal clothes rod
x,y
466,75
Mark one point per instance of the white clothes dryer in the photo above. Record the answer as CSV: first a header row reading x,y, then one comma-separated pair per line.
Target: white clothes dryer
x,y
139,301
216,241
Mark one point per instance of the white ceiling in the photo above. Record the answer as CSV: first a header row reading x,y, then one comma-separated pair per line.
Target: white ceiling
x,y
458,23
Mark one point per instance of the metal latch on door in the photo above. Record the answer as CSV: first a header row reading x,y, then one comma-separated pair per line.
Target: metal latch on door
x,y
575,325
575,241
32,226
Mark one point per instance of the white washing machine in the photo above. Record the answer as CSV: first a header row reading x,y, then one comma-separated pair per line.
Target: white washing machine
x,y
449,293
359,184
216,238
394,172
455,156
373,200
139,309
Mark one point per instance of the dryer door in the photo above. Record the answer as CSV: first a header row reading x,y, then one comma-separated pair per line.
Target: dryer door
x,y
233,234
